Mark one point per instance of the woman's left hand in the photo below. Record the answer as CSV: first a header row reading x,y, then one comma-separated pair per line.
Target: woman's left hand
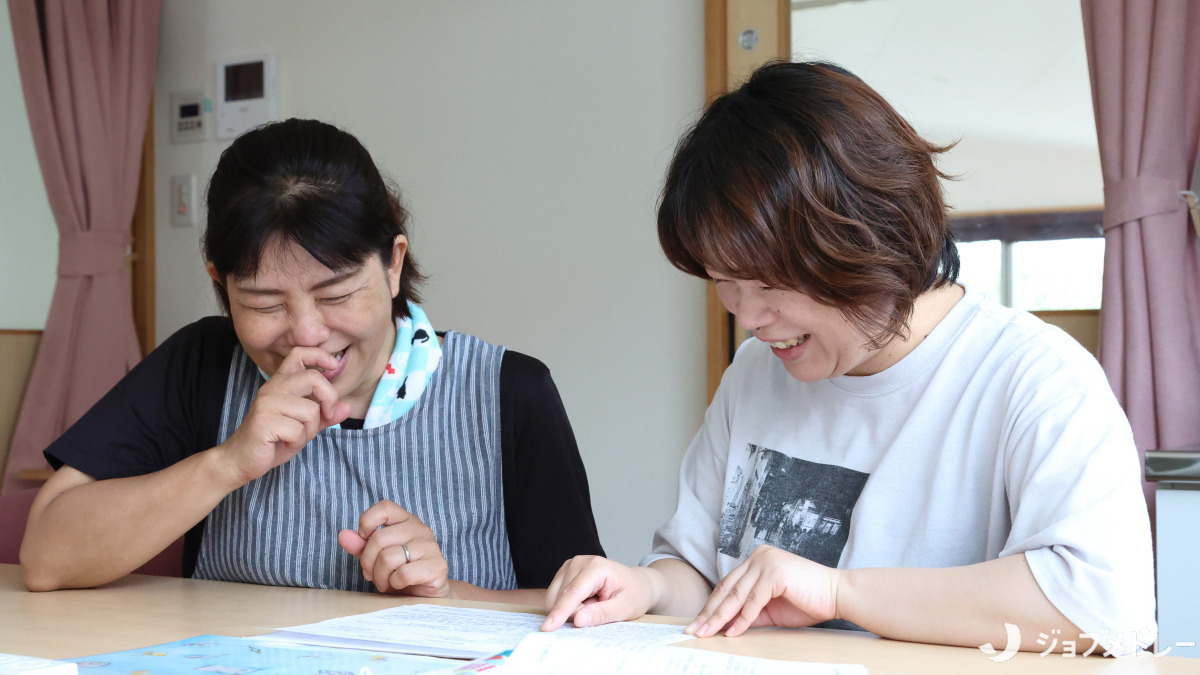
x,y
398,552
770,588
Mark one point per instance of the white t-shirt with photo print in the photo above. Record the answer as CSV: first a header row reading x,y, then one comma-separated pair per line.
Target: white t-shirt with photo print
x,y
997,435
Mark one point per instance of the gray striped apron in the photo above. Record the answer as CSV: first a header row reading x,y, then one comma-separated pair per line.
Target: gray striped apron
x,y
441,461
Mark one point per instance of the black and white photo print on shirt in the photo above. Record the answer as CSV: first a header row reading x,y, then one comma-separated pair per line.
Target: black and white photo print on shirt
x,y
799,506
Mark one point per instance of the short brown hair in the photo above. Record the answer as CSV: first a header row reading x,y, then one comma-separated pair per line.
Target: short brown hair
x,y
805,178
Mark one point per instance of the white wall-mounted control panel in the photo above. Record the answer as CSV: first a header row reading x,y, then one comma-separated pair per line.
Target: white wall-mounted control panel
x,y
189,121
246,93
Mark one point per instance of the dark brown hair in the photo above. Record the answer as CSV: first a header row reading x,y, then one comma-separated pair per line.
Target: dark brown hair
x,y
805,178
311,184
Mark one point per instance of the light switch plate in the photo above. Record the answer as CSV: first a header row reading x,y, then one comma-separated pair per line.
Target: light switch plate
x,y
183,200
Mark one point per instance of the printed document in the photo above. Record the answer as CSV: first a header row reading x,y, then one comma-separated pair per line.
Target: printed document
x,y
458,632
546,654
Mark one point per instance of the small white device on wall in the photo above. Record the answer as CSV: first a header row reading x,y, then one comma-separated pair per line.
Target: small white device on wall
x,y
246,94
183,200
188,119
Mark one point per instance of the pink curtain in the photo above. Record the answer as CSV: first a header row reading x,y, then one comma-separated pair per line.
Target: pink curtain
x,y
1144,58
87,70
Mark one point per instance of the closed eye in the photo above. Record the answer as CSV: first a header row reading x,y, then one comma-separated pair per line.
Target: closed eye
x,y
336,299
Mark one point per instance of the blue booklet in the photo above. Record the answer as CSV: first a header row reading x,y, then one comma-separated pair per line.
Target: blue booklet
x,y
240,656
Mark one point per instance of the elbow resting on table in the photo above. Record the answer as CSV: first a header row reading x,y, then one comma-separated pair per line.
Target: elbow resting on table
x,y
38,575
36,578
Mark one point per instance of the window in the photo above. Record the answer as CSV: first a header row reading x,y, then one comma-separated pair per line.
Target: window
x,y
1035,261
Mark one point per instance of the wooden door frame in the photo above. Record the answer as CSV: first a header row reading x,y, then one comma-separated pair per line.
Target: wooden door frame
x,y
725,65
141,256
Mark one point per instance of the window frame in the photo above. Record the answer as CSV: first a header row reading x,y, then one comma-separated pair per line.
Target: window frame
x,y
1011,227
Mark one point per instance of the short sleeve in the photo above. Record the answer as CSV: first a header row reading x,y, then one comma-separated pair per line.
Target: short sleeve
x,y
547,504
165,409
1079,515
693,532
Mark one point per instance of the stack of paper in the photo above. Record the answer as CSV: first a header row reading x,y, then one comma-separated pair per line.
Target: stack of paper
x,y
625,647
457,632
545,654
417,639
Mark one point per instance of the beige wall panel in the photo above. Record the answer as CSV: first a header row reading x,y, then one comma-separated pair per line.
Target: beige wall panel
x,y
18,348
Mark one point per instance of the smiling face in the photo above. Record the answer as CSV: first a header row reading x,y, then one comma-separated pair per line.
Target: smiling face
x,y
295,301
805,178
813,341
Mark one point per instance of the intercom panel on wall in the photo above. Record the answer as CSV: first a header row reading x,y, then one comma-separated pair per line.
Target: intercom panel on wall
x,y
246,93
188,119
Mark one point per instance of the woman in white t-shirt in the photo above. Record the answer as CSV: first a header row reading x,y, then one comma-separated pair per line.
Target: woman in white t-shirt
x,y
893,452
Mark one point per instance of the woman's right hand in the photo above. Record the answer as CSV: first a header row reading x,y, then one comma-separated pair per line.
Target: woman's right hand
x,y
289,410
592,590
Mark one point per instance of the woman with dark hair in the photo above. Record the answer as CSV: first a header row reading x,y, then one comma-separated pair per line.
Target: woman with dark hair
x,y
893,452
322,434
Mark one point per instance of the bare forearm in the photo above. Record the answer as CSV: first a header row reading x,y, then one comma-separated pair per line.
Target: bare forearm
x,y
91,533
966,606
461,590
679,589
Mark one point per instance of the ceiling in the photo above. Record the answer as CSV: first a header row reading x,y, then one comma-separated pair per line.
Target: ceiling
x,y
1011,69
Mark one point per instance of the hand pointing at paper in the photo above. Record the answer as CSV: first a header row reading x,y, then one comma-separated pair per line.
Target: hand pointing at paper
x,y
591,590
770,588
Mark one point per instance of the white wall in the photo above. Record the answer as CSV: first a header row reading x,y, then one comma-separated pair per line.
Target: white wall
x,y
28,238
530,138
1007,80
